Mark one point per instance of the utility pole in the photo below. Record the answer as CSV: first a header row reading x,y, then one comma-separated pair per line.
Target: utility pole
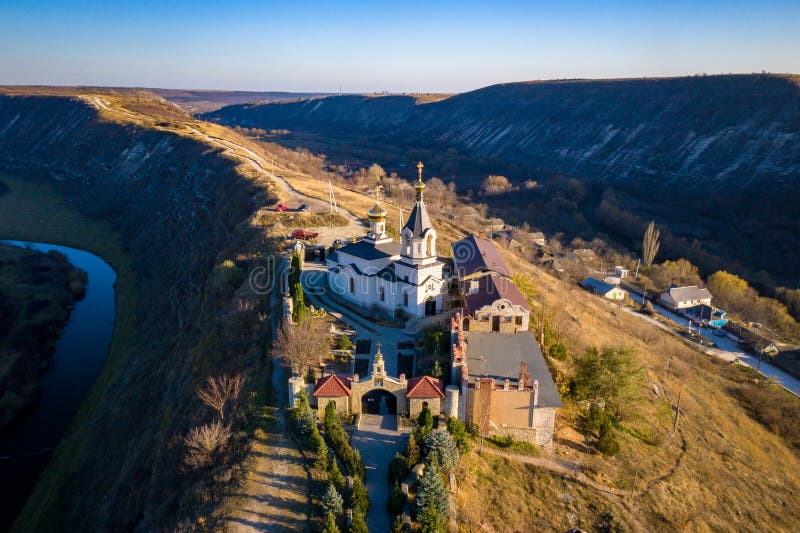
x,y
638,262
401,216
669,362
332,198
677,414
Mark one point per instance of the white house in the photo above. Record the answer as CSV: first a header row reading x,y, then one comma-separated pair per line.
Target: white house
x,y
396,278
684,297
606,290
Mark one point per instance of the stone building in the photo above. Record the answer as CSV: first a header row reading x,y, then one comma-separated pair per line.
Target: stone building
x,y
379,393
506,387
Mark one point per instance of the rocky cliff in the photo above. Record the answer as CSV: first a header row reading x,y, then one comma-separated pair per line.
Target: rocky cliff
x,y
177,206
695,133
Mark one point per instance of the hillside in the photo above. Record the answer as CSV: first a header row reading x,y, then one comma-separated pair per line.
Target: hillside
x,y
134,179
685,151
198,101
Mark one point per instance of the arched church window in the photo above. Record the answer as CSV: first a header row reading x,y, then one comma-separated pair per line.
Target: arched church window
x,y
352,286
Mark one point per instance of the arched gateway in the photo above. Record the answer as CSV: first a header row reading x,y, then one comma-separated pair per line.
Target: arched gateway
x,y
378,393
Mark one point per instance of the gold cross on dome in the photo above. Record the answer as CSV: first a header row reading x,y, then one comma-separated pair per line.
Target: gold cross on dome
x,y
419,169
378,193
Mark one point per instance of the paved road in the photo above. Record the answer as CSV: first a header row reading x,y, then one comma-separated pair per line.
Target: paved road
x,y
378,440
727,347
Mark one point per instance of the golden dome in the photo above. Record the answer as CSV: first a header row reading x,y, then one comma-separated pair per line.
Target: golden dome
x,y
377,213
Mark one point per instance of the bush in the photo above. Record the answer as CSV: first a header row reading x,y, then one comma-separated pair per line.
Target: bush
x,y
607,444
501,441
340,444
398,469
425,419
558,351
596,417
456,428
343,342
397,501
204,443
611,376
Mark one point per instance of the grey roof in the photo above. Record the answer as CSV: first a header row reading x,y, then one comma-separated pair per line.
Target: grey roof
x,y
473,254
503,354
369,251
687,294
419,220
492,288
596,285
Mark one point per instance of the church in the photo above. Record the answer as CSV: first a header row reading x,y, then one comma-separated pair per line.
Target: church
x,y
400,279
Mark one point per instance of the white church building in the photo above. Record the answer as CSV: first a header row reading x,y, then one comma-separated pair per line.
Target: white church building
x,y
399,279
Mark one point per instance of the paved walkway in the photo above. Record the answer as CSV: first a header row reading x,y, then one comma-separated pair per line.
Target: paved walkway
x,y
378,440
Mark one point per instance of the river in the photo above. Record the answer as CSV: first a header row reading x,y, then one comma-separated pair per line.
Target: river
x,y
27,444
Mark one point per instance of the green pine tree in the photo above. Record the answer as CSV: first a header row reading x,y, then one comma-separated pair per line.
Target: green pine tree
x,y
398,526
335,476
425,418
358,525
412,452
330,524
431,492
431,521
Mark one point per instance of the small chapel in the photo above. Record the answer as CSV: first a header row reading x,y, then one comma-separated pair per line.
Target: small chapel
x,y
399,279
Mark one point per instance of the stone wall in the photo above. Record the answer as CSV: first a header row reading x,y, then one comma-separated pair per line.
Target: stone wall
x,y
342,405
415,406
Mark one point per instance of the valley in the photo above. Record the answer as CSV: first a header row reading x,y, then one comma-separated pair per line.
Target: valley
x,y
185,210
601,153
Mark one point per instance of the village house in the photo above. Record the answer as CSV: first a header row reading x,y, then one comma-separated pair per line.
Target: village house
x,y
603,288
684,297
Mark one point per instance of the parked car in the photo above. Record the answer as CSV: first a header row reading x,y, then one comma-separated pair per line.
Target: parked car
x,y
281,208
302,235
304,207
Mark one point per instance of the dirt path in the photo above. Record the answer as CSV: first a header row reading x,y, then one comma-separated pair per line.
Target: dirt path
x,y
275,495
355,227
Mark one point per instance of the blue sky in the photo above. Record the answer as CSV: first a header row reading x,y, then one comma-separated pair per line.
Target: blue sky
x,y
393,46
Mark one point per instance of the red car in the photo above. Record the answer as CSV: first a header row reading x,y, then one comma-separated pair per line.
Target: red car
x,y
301,234
281,208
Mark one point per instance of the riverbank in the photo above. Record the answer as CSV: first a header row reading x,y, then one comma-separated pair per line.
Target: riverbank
x,y
33,210
37,293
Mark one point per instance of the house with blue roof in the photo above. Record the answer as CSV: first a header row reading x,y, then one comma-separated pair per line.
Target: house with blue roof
x,y
606,290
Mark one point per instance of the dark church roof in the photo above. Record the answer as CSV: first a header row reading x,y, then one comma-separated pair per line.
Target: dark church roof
x,y
419,220
369,251
475,255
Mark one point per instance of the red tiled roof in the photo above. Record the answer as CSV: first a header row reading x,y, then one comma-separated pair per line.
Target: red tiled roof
x,y
425,387
333,386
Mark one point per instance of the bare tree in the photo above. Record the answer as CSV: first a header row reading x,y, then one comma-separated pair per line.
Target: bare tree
x,y
203,441
304,345
216,391
650,243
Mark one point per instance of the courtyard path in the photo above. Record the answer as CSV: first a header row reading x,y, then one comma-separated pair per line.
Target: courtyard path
x,y
377,439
